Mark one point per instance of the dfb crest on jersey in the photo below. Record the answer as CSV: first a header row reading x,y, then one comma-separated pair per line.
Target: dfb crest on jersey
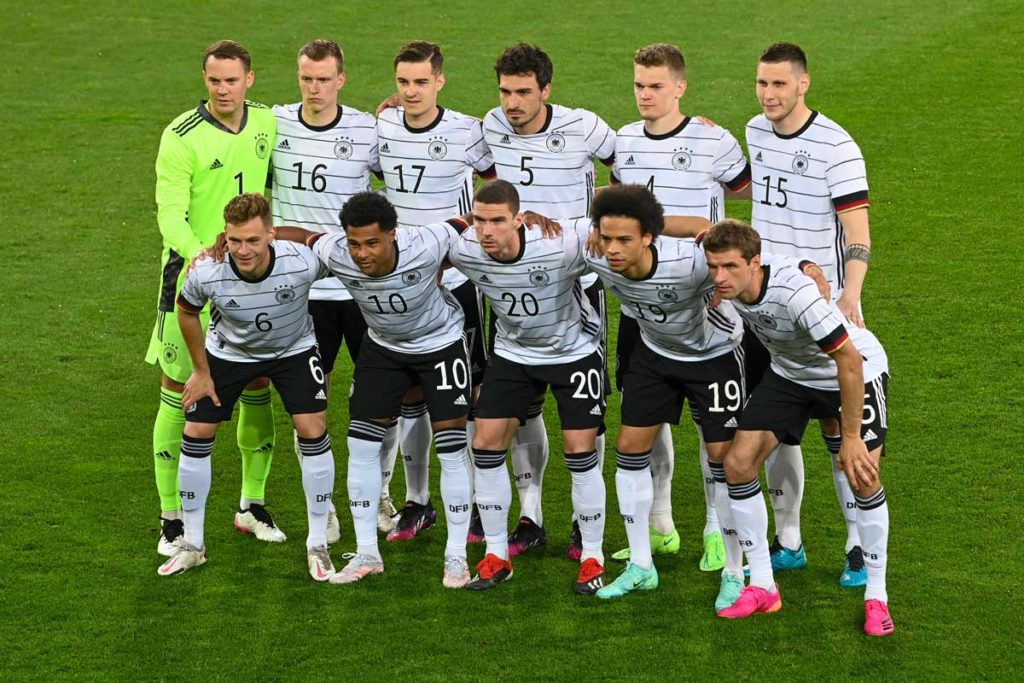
x,y
343,149
411,277
668,296
801,162
437,150
681,160
539,278
555,142
765,320
284,295
262,146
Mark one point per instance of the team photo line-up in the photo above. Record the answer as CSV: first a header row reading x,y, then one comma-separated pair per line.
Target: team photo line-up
x,y
758,328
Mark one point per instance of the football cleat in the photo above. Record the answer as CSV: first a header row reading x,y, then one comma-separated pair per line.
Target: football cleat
x,y
456,572
526,536
661,544
387,515
714,553
784,559
877,621
186,558
359,567
632,578
491,571
575,550
591,577
333,527
319,561
728,591
413,519
256,520
855,574
753,599
172,536
476,527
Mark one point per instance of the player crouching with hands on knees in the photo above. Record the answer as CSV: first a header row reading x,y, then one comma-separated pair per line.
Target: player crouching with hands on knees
x,y
260,327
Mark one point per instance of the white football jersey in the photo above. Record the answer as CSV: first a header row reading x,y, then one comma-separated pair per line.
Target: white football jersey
x,y
405,310
799,329
670,304
553,169
800,181
428,171
254,320
543,317
316,169
684,168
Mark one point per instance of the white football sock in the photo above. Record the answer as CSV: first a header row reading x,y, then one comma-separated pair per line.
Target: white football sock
x,y
365,452
298,454
456,488
785,476
493,498
727,525
634,488
588,502
663,464
751,517
711,522
194,477
847,501
529,459
389,455
318,484
873,522
414,426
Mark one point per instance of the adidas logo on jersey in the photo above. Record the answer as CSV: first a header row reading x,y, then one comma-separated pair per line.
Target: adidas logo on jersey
x,y
505,140
870,435
732,424
232,304
758,157
596,410
484,280
385,149
460,401
216,164
284,145
320,396
630,161
355,284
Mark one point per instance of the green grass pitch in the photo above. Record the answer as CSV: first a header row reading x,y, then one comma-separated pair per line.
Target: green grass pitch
x,y
932,93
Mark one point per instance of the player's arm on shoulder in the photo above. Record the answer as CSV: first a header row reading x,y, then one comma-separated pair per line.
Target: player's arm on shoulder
x,y
548,227
200,384
685,226
390,102
173,192
858,253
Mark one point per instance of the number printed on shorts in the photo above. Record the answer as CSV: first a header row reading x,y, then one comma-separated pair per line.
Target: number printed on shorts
x,y
316,370
732,393
459,375
588,384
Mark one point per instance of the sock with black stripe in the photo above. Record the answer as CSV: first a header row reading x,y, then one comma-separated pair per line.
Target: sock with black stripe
x,y
873,523
318,484
194,476
493,498
365,451
588,502
847,501
634,488
730,538
529,451
456,488
255,434
751,517
414,427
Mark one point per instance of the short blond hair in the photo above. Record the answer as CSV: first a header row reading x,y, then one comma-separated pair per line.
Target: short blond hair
x,y
662,54
245,207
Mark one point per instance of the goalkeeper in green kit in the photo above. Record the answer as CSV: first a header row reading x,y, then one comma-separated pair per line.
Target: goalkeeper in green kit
x,y
209,154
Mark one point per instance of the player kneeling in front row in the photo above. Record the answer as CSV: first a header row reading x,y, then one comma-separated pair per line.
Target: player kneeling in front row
x,y
821,365
260,328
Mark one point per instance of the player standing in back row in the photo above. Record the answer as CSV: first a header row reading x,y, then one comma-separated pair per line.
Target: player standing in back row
x,y
208,155
428,155
685,162
324,154
547,152
810,199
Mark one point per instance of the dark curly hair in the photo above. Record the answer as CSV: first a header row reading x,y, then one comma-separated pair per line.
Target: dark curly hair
x,y
630,201
522,59
367,208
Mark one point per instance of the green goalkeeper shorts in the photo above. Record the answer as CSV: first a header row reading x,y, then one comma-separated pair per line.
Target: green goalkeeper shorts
x,y
167,347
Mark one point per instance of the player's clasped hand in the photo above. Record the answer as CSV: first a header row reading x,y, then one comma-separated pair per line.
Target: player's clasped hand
x,y
548,227
198,386
815,272
860,467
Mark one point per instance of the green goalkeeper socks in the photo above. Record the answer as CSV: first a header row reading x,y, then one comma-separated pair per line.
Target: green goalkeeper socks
x,y
167,429
255,440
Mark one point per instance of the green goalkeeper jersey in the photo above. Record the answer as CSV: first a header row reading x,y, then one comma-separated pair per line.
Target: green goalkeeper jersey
x,y
201,165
